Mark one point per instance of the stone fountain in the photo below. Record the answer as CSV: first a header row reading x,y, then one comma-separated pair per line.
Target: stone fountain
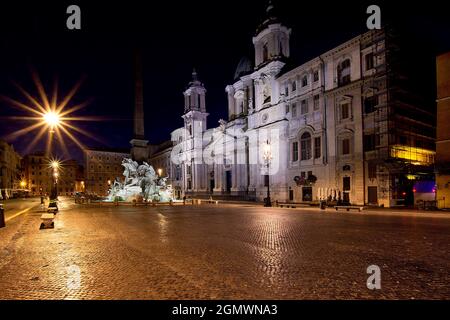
x,y
140,182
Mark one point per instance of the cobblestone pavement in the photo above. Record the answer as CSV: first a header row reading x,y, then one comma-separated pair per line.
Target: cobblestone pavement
x,y
222,252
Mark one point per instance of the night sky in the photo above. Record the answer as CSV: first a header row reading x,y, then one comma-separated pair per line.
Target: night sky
x,y
175,37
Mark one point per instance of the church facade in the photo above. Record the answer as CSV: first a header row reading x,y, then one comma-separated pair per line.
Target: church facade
x,y
334,127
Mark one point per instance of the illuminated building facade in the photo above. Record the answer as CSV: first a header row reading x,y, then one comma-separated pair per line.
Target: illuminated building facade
x,y
102,166
344,125
9,170
38,178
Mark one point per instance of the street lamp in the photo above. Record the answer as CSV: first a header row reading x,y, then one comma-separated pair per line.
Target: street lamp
x,y
23,184
52,119
267,156
55,165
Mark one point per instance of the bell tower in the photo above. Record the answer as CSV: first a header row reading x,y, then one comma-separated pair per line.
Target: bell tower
x,y
195,107
271,40
194,117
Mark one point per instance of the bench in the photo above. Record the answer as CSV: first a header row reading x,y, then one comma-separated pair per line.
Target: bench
x,y
291,204
348,208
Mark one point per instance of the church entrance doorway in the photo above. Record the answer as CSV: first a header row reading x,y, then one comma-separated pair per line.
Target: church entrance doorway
x,y
212,185
307,194
228,181
346,189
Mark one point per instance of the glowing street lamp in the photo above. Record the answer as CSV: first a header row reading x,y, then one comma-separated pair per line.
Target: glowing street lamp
x,y
23,184
50,116
52,119
267,156
55,165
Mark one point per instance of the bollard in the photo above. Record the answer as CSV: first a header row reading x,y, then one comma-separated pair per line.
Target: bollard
x,y
2,216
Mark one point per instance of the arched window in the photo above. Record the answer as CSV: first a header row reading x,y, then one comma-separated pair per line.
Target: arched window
x,y
343,72
265,52
305,144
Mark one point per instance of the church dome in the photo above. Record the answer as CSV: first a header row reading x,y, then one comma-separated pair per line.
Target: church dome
x,y
245,66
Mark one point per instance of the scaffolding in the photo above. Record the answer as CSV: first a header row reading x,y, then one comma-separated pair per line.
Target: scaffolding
x,y
402,130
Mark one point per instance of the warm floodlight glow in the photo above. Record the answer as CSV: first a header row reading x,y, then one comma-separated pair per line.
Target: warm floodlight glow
x,y
55,164
160,172
417,156
23,184
51,118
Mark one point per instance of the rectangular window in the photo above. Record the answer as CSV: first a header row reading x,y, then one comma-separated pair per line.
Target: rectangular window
x,y
369,61
304,107
286,90
316,76
370,103
304,81
372,170
295,151
346,146
294,110
371,141
287,109
345,111
294,85
316,102
317,148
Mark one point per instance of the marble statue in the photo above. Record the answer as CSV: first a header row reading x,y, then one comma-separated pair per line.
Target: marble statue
x,y
140,182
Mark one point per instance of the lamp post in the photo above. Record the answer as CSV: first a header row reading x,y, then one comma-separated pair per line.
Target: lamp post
x,y
267,156
54,192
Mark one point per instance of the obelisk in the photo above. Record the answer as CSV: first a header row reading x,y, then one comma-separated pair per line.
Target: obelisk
x,y
139,146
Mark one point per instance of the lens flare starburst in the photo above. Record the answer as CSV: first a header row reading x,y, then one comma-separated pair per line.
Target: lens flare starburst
x,y
50,118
